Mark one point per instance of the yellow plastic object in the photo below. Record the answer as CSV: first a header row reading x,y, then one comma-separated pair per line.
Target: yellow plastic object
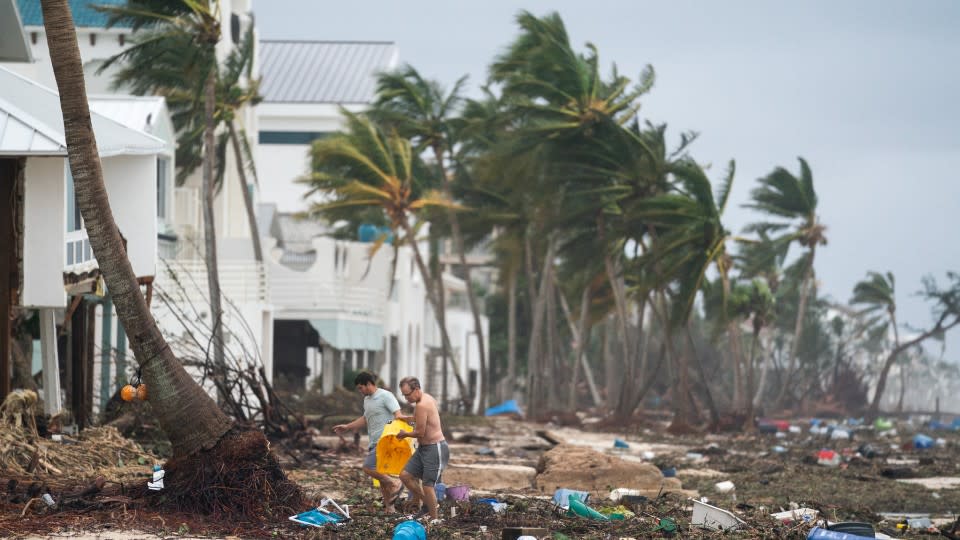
x,y
393,453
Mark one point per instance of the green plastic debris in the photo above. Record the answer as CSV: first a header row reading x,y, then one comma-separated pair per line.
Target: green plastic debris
x,y
666,525
882,424
616,512
580,509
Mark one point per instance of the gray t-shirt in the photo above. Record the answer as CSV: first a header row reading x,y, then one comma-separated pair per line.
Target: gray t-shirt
x,y
378,411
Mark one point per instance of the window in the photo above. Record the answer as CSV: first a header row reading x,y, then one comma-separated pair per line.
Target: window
x,y
291,137
74,220
163,186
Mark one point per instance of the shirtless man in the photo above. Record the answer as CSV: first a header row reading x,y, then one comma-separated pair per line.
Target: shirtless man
x,y
427,463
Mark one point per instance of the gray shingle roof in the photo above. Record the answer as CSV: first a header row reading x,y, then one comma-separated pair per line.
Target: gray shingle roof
x,y
323,71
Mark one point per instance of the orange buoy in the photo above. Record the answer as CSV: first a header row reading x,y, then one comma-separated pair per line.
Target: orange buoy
x,y
142,392
128,392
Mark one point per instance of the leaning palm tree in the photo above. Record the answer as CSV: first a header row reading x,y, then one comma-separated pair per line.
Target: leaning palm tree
x,y
421,111
201,435
365,168
689,238
793,200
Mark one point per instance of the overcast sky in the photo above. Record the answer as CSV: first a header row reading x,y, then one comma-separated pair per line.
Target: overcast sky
x,y
866,91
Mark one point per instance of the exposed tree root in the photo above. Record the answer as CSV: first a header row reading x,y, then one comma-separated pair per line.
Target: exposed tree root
x,y
239,477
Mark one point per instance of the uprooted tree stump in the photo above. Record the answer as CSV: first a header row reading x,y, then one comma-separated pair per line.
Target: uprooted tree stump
x,y
239,477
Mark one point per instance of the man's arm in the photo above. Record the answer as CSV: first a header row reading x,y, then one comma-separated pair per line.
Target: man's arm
x,y
352,426
420,423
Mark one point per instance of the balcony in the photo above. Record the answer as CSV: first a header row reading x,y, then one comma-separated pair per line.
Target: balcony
x,y
240,283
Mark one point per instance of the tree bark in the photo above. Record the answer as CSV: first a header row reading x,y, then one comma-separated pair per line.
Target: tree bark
x,y
482,383
534,354
190,418
210,228
432,298
798,326
510,386
247,197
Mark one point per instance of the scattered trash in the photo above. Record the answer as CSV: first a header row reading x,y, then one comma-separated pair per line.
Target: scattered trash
x,y
817,533
320,516
920,523
458,493
667,525
795,429
619,493
694,456
828,458
711,517
867,450
507,407
922,441
562,495
853,527
807,515
620,443
485,451
157,483
648,455
48,500
725,487
616,512
840,434
582,510
882,424
498,507
441,490
779,449
669,472
409,530
522,533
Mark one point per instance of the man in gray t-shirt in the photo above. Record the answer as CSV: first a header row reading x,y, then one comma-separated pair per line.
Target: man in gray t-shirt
x,y
380,407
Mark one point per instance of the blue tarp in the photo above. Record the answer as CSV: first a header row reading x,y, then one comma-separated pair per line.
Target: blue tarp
x,y
507,407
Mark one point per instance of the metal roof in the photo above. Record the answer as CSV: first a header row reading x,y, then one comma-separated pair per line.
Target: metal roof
x,y
323,71
31,124
142,113
83,14
13,40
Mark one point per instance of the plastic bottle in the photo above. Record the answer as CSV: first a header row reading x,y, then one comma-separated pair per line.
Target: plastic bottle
x,y
409,530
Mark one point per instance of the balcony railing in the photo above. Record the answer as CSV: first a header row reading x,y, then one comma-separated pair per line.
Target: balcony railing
x,y
241,283
301,292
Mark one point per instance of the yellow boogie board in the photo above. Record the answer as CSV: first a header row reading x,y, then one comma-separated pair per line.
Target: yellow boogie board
x,y
393,453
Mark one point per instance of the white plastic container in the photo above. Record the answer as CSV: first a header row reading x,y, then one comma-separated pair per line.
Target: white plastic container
x,y
711,517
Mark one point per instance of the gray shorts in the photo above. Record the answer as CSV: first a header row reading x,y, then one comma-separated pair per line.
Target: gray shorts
x,y
370,462
428,462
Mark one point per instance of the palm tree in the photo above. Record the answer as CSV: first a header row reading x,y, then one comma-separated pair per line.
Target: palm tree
x,y
420,110
689,237
177,42
201,435
791,198
362,167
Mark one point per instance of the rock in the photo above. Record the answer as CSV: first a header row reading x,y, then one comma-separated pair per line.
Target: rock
x,y
490,476
575,467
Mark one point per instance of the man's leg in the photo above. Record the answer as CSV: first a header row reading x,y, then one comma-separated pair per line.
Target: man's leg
x,y
413,484
430,501
388,486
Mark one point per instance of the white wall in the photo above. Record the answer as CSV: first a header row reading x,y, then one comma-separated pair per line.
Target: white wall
x,y
41,70
44,231
280,165
132,188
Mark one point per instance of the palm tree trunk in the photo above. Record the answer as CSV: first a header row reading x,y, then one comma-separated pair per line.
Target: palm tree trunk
x,y
707,394
191,420
535,362
432,298
510,387
247,197
581,335
210,230
482,383
750,378
798,327
940,327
